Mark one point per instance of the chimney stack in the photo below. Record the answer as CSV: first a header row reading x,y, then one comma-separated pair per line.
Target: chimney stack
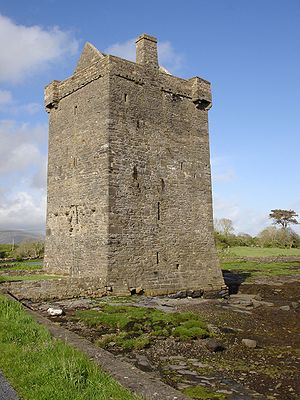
x,y
146,51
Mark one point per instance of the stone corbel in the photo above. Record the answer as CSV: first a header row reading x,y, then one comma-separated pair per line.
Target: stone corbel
x,y
201,94
51,95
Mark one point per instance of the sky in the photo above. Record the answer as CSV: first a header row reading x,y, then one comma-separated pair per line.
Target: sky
x,y
248,50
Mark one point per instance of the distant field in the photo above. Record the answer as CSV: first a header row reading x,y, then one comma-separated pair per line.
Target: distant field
x,y
259,269
261,252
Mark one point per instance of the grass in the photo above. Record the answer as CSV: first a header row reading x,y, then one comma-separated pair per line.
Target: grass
x,y
258,269
28,265
202,393
17,278
243,251
42,368
132,327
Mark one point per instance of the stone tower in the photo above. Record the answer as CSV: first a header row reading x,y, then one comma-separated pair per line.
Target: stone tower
x,y
129,182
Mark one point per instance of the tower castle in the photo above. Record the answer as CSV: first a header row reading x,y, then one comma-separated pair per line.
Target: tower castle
x,y
129,182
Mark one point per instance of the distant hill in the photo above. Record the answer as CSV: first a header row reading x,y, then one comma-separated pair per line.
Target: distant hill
x,y
19,236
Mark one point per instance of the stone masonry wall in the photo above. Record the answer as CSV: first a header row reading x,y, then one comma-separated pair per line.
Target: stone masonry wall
x,y
129,183
76,236
160,227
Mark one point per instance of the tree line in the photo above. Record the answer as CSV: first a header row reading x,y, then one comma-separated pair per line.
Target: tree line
x,y
279,234
22,250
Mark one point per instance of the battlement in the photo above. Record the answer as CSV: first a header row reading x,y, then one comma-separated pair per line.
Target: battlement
x,y
93,65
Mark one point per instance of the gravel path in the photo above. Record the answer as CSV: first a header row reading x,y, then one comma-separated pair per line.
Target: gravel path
x,y
6,391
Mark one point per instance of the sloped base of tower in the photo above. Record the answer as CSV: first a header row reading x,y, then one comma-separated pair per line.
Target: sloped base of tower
x,y
68,288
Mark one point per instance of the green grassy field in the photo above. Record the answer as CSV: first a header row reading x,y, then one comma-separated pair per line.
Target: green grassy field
x,y
260,269
40,367
244,251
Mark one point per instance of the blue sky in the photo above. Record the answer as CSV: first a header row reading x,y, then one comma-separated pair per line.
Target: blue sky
x,y
249,50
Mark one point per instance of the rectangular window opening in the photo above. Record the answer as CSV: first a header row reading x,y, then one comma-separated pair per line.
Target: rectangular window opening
x,y
75,110
158,211
125,97
157,257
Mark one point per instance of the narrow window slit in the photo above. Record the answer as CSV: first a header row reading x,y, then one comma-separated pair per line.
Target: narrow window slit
x,y
157,257
163,184
135,173
125,97
158,211
181,165
75,110
177,266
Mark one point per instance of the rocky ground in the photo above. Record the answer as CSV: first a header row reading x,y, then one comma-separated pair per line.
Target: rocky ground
x,y
255,352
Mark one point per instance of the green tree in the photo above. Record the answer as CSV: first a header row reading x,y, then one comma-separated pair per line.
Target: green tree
x,y
29,250
283,217
282,238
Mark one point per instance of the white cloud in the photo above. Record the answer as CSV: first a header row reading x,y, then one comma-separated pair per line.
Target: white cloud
x,y
15,108
124,50
22,210
166,53
244,219
22,175
26,49
168,56
19,146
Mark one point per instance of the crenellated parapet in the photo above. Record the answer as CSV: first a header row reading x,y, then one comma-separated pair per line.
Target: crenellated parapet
x,y
94,65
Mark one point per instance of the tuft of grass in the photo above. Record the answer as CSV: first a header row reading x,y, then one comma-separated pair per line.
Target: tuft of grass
x,y
192,329
134,327
40,367
202,393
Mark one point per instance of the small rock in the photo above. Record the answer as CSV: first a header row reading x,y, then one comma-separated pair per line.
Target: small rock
x,y
224,391
249,343
212,328
198,364
258,297
143,363
224,293
295,305
139,290
197,293
186,372
54,312
175,367
285,308
179,295
214,345
278,385
256,303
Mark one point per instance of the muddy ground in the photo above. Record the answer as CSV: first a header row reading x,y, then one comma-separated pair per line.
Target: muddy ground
x,y
266,311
